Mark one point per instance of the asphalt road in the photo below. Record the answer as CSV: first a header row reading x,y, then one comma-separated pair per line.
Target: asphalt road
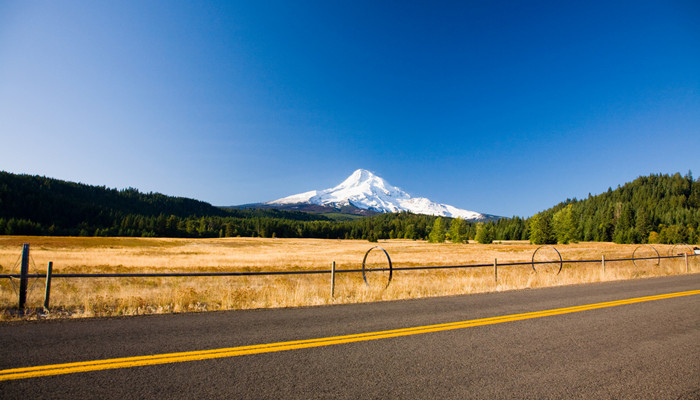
x,y
648,349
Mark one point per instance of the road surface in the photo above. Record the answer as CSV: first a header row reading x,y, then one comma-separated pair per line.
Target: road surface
x,y
565,342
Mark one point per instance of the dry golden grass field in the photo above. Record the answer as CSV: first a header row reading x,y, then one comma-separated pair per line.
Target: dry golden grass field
x,y
86,297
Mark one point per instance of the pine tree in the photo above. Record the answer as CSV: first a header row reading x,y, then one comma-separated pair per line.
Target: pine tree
x,y
564,225
541,229
484,233
438,233
410,232
643,224
458,231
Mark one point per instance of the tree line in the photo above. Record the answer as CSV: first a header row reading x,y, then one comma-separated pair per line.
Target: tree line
x,y
35,205
384,226
658,208
652,209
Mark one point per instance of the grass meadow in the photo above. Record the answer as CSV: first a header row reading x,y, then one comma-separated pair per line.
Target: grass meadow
x,y
88,297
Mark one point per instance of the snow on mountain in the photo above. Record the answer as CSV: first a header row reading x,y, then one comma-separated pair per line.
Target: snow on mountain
x,y
367,191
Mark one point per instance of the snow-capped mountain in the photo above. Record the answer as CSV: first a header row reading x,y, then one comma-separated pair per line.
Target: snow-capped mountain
x,y
367,191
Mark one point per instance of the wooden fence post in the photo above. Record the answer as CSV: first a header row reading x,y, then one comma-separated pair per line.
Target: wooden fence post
x,y
685,255
495,270
23,279
603,262
333,280
47,293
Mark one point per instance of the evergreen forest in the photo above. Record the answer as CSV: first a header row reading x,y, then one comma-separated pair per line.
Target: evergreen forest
x,y
652,209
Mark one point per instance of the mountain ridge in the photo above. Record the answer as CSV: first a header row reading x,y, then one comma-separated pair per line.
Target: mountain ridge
x,y
658,208
366,191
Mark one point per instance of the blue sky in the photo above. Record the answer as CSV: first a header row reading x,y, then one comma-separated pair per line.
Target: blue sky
x,y
502,107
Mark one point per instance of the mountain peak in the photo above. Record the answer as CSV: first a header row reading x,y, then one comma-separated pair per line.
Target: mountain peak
x,y
365,190
363,178
362,174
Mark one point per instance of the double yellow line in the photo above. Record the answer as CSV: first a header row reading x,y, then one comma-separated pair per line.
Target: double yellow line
x,y
128,362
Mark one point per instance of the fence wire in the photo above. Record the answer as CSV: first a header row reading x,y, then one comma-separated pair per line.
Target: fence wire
x,y
326,271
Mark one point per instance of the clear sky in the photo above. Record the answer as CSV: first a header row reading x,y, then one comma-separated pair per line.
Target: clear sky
x,y
501,107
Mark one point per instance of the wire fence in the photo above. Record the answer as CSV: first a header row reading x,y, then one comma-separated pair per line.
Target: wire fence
x,y
367,271
318,271
328,271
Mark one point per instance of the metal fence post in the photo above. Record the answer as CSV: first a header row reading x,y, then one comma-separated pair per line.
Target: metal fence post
x,y
495,270
333,280
47,293
23,279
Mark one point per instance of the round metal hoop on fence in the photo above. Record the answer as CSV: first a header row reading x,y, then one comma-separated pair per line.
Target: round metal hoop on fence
x,y
671,252
561,261
658,256
366,270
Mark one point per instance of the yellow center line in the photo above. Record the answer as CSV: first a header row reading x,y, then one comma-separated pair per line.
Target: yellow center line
x,y
138,361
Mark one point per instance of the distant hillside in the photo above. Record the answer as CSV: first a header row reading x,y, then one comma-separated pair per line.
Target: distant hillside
x,y
655,208
344,212
34,205
52,201
41,205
